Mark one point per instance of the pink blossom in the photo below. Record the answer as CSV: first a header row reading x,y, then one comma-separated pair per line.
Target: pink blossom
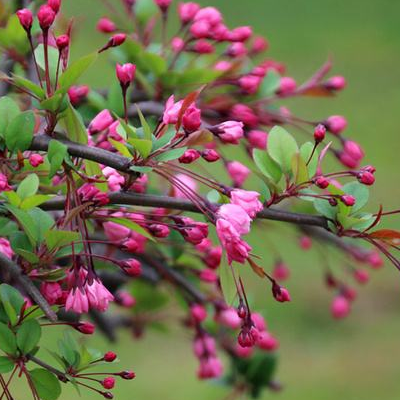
x,y
204,345
210,155
340,307
305,242
229,131
77,94
62,42
5,248
198,312
51,291
247,200
115,232
336,124
55,5
209,14
266,341
236,216
126,73
259,321
208,275
108,383
46,17
159,230
238,172
177,44
163,4
236,248
77,301
353,150
210,367
189,156
287,85
361,276
171,111
260,44
132,267
200,29
281,271
213,257
4,183
223,66
202,46
258,139
237,49
90,193
192,231
375,260
243,352
366,178
186,184
100,122
335,83
114,180
35,160
25,18
241,112
229,318
105,25
187,11
98,295
240,34
125,299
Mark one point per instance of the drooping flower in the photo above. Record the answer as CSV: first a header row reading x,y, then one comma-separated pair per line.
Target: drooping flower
x,y
77,301
248,200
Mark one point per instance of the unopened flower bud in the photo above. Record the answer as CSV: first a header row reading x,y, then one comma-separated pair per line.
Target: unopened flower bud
x,y
114,41
108,383
348,200
25,18
340,307
62,42
163,4
85,327
280,293
35,160
319,133
366,178
55,5
321,182
210,155
126,74
109,356
46,17
105,25
189,156
335,83
127,375
336,124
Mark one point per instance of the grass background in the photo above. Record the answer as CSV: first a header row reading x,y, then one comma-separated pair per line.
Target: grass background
x,y
356,359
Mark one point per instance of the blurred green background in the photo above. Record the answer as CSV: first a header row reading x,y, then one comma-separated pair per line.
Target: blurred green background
x,y
355,359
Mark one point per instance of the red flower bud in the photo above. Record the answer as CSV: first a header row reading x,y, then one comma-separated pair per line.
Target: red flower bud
x,y
210,155
25,18
366,178
127,375
189,156
85,327
132,267
114,41
126,74
108,383
62,42
280,293
46,17
105,25
163,4
55,5
319,133
321,182
107,395
109,356
348,200
335,83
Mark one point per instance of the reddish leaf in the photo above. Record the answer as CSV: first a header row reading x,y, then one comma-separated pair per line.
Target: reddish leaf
x,y
387,235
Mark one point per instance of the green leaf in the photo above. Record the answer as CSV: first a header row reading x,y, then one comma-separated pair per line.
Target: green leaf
x,y
282,147
29,85
46,384
10,295
6,365
360,192
227,283
53,59
267,166
28,336
299,169
164,139
305,152
7,340
12,198
154,63
57,238
121,148
324,208
26,221
53,103
170,155
75,70
8,111
56,153
35,201
145,125
270,84
132,226
28,187
43,221
143,146
19,132
74,125
142,170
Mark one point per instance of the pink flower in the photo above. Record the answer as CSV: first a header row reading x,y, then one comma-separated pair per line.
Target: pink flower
x,y
248,200
229,131
340,307
229,318
353,150
55,5
105,25
281,272
210,14
236,216
110,356
163,4
237,49
208,275
280,293
241,112
200,29
260,44
236,248
100,122
189,156
204,345
335,83
266,341
4,183
192,231
140,185
77,301
243,352
51,291
125,299
305,242
259,321
126,74
115,232
35,160
319,133
177,44
238,172
46,16
210,367
361,276
25,18
114,179
240,34
77,94
213,257
5,248
85,327
287,85
171,111
336,124
159,230
90,193
98,295
187,11
132,267
186,184
258,139
198,312
202,46
375,260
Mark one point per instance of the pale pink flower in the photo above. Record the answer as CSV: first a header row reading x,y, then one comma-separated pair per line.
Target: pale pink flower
x,y
236,216
248,200
77,301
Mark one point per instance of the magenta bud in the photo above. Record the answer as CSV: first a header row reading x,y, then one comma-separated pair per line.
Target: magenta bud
x,y
336,124
335,83
62,42
35,160
25,18
348,200
110,356
114,41
127,375
189,156
126,73
105,25
319,133
85,327
280,293
55,5
107,395
46,17
321,182
210,155
163,4
187,11
340,307
366,178
108,383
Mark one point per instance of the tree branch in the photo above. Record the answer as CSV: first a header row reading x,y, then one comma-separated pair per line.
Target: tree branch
x,y
15,273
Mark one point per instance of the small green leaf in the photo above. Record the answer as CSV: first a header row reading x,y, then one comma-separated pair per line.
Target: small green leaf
x,y
142,170
26,221
19,132
282,147
8,111
74,125
35,201
53,103
56,153
145,125
53,59
121,148
7,339
6,365
299,169
29,85
143,146
360,192
163,140
75,70
28,336
270,84
28,187
305,152
324,208
154,63
267,166
57,238
46,384
170,155
12,198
